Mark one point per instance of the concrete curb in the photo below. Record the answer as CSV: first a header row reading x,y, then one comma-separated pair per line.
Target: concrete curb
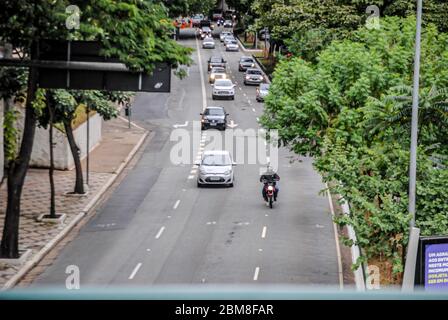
x,y
53,242
336,238
355,251
244,48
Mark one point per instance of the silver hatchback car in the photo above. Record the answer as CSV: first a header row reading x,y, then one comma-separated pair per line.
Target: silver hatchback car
x,y
215,168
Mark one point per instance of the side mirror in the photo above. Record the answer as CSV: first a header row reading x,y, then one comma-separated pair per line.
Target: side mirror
x,y
227,114
233,163
201,114
197,163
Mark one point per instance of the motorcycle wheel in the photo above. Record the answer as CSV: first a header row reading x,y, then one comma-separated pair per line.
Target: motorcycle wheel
x,y
270,203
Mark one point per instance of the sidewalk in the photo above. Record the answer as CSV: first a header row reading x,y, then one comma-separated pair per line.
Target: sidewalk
x,y
118,145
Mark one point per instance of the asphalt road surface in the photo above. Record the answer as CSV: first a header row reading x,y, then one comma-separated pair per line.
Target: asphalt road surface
x,y
159,228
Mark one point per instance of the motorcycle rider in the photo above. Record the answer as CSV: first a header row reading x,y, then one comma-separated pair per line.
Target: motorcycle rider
x,y
270,176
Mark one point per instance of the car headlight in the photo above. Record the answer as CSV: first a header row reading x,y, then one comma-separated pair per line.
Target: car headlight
x,y
227,172
212,76
247,77
252,65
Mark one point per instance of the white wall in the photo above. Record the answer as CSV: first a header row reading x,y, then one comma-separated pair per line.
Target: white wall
x,y
63,158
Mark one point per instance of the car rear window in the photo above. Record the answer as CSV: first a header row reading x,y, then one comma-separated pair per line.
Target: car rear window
x,y
247,60
214,112
254,71
223,82
216,160
215,59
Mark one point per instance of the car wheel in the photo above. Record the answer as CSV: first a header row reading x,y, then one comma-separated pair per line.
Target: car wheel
x,y
213,97
230,185
199,185
233,97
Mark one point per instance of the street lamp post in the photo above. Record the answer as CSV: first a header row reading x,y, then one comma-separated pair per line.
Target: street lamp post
x,y
411,254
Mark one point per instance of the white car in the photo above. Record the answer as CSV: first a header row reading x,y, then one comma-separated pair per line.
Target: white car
x,y
228,39
232,46
196,19
215,167
223,88
208,43
224,34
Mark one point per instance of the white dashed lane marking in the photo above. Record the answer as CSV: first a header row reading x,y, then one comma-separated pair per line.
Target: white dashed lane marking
x,y
160,232
134,272
257,271
263,233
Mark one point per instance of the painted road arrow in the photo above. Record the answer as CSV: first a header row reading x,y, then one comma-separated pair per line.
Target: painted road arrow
x,y
232,124
181,125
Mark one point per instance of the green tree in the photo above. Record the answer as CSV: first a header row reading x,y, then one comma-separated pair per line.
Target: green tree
x,y
136,32
351,111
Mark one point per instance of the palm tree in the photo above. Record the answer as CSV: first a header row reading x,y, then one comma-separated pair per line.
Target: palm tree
x,y
395,109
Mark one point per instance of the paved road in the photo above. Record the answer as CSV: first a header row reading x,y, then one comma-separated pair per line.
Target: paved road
x,y
159,228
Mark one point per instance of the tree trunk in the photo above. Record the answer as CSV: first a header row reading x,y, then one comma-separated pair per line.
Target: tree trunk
x,y
79,184
51,171
9,247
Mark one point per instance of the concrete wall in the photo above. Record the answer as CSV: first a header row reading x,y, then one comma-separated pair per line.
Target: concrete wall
x,y
63,158
1,140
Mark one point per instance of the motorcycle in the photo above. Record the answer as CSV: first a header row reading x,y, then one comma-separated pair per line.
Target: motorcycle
x,y
269,189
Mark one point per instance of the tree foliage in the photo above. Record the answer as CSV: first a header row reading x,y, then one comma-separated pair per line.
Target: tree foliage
x,y
351,111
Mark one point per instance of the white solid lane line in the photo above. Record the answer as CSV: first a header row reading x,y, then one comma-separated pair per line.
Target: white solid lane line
x,y
257,271
134,272
263,233
176,204
160,232
204,100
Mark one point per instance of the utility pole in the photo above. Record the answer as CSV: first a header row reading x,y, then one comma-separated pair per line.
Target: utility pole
x,y
87,144
411,254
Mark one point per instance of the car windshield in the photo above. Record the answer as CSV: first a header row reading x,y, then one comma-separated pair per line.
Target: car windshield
x,y
206,29
247,60
214,112
223,83
215,59
264,86
216,160
233,42
253,71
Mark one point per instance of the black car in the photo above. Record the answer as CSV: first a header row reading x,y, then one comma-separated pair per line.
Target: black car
x,y
206,23
214,117
216,61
